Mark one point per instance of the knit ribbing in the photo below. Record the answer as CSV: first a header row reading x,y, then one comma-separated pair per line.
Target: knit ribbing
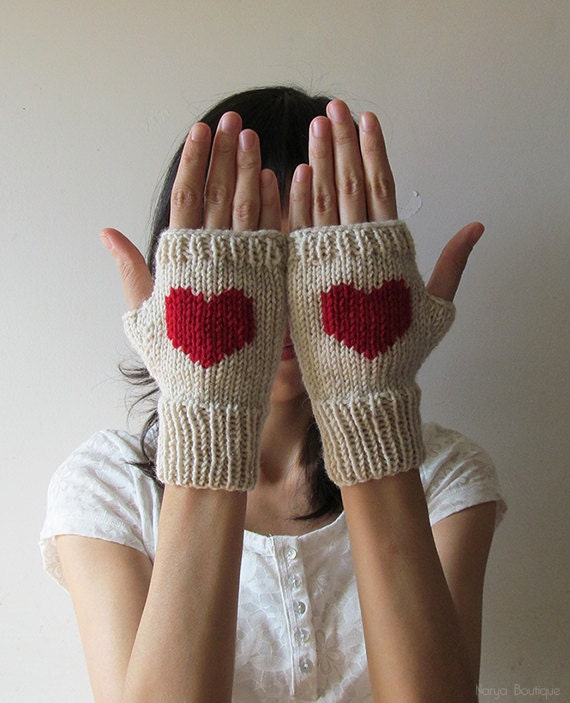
x,y
366,438
209,446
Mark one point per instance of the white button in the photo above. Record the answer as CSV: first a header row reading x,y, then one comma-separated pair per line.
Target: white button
x,y
306,665
290,553
303,635
300,607
295,581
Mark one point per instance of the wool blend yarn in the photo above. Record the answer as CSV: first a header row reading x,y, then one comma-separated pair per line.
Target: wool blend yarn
x,y
363,323
210,336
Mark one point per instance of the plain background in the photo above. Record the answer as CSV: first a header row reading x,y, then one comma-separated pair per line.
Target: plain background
x,y
473,96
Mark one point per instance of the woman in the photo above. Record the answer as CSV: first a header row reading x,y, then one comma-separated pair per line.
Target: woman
x,y
276,321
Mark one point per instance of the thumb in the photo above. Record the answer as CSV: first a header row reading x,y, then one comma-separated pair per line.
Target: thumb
x,y
136,278
448,270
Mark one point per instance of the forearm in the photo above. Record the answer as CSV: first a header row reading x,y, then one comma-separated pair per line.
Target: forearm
x,y
185,646
414,645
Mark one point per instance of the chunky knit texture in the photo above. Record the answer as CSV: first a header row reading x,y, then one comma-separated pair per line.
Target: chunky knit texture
x,y
363,323
210,335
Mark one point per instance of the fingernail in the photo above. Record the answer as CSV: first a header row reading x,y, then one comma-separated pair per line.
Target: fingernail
x,y
368,121
226,122
247,139
337,111
199,132
320,126
107,241
302,173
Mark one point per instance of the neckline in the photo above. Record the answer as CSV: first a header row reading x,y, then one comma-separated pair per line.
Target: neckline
x,y
267,544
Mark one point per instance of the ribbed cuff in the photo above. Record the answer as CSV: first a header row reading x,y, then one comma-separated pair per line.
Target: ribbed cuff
x,y
208,446
368,438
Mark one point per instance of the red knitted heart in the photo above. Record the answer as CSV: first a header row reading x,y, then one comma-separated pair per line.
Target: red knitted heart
x,y
369,323
209,330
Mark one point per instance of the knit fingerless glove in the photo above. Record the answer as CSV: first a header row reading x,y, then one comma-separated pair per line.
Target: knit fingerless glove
x,y
363,323
210,335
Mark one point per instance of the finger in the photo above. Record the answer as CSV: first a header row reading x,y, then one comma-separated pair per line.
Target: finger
x,y
300,206
270,210
379,181
187,197
324,202
135,276
348,170
451,263
221,179
246,201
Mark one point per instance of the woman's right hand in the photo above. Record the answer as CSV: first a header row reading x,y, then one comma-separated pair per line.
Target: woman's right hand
x,y
210,325
233,193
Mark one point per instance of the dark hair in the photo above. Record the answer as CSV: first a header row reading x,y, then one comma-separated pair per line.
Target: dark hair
x,y
281,116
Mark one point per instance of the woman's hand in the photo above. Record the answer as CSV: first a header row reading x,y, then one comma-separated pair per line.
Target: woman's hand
x,y
349,180
217,300
233,193
366,404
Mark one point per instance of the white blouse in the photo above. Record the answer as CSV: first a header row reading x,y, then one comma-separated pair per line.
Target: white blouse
x,y
299,634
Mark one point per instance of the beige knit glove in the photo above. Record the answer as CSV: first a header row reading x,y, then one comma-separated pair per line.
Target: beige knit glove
x,y
363,323
210,335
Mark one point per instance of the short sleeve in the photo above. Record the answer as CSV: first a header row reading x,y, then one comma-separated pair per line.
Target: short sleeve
x,y
457,474
99,492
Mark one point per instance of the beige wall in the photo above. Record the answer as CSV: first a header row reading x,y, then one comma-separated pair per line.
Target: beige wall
x,y
473,96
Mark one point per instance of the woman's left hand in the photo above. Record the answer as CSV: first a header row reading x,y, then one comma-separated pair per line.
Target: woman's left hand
x,y
349,180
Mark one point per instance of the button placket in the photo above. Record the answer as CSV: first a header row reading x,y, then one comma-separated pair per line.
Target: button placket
x,y
300,607
297,605
290,554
